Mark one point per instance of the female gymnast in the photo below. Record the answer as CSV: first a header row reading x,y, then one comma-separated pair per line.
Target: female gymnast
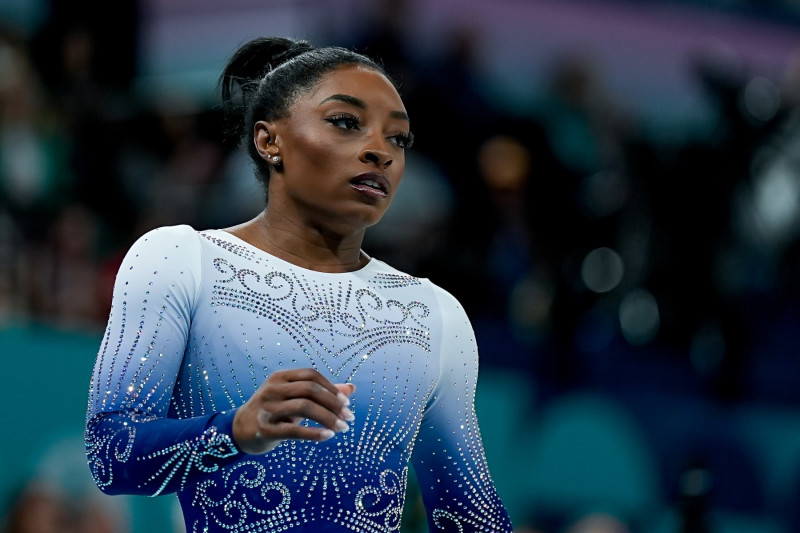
x,y
272,374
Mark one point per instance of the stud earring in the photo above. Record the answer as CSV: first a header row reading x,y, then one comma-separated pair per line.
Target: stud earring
x,y
275,158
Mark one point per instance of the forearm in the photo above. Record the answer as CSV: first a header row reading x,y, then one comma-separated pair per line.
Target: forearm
x,y
129,453
455,482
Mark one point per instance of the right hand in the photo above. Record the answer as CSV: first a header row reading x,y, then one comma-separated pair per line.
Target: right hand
x,y
287,397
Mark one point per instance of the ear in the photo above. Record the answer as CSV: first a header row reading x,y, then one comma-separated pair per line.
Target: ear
x,y
264,138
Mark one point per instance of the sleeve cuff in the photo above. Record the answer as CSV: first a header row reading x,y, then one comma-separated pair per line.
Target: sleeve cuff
x,y
222,423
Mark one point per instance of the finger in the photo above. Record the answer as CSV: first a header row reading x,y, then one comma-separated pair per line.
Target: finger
x,y
265,419
345,390
287,430
309,374
335,402
290,410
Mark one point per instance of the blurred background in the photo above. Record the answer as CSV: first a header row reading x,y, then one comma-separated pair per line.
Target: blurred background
x,y
610,187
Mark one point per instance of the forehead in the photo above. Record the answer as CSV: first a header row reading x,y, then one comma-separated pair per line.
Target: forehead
x,y
364,83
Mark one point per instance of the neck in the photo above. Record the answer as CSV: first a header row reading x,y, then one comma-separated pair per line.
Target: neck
x,y
303,245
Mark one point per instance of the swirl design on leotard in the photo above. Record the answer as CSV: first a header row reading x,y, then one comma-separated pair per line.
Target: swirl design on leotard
x,y
385,500
107,447
313,312
229,502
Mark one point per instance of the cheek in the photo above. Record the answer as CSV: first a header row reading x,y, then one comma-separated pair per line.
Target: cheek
x,y
314,150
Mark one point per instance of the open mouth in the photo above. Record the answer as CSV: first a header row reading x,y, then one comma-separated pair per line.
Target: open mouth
x,y
374,184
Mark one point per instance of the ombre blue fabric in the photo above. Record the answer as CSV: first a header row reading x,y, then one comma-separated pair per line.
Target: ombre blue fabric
x,y
200,319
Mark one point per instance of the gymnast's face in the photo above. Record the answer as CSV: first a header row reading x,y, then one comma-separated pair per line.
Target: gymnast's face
x,y
342,148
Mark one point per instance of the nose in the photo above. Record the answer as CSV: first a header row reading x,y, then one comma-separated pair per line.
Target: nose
x,y
376,156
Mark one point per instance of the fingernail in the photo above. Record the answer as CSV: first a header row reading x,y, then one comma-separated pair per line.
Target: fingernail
x,y
342,426
347,414
344,399
326,434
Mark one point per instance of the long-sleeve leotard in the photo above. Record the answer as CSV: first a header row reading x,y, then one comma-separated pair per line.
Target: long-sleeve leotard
x,y
200,319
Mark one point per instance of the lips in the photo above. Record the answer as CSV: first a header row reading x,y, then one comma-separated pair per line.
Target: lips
x,y
372,185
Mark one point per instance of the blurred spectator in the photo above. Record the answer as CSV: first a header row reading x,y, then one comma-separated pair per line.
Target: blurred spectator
x,y
97,45
172,165
587,199
44,508
598,523
64,273
94,517
693,211
11,244
34,170
87,53
38,508
386,39
60,497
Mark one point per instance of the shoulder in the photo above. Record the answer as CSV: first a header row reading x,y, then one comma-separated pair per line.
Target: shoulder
x,y
165,245
179,234
164,259
165,237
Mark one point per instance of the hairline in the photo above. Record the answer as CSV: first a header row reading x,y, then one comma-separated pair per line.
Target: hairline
x,y
300,92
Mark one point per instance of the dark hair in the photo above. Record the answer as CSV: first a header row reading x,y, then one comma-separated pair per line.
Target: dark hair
x,y
266,75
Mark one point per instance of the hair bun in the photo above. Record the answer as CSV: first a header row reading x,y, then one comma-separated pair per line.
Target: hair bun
x,y
294,49
251,62
257,57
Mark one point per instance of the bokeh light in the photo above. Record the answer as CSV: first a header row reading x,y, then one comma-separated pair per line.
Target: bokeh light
x,y
639,317
602,269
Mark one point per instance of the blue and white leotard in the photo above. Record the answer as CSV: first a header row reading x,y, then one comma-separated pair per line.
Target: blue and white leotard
x,y
200,319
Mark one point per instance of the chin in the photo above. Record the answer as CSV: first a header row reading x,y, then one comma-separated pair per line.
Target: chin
x,y
368,216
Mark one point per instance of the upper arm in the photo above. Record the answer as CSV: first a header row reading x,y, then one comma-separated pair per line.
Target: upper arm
x,y
449,459
148,326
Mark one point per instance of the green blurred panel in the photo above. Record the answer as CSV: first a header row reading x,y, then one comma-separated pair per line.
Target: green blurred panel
x,y
45,397
504,402
591,456
45,392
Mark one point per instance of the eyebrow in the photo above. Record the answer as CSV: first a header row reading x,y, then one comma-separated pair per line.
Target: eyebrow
x,y
359,103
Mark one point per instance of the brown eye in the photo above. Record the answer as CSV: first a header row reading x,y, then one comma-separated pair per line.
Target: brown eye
x,y
345,122
403,140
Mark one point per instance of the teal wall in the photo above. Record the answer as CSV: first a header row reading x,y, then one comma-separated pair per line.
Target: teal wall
x,y
44,394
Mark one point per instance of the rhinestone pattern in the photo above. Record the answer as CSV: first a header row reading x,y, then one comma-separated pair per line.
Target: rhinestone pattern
x,y
200,319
